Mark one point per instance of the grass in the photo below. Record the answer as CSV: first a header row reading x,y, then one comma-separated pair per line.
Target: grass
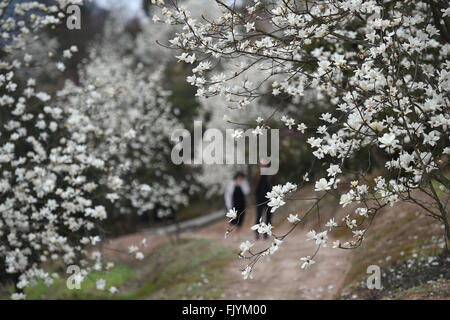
x,y
116,276
189,269
437,290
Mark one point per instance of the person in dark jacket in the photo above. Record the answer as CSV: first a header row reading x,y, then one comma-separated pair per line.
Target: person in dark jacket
x,y
235,197
264,185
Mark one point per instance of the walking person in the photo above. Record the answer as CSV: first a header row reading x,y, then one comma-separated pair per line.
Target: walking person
x,y
235,197
264,185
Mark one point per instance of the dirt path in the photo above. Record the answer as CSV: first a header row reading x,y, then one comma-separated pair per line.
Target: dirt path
x,y
278,276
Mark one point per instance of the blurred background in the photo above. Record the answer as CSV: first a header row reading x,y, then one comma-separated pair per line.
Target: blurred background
x,y
187,256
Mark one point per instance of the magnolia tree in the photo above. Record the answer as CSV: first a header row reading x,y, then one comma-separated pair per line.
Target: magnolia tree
x,y
51,203
380,66
39,58
128,119
47,211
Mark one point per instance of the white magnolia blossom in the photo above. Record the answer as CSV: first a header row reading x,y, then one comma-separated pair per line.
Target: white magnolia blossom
x,y
232,214
245,246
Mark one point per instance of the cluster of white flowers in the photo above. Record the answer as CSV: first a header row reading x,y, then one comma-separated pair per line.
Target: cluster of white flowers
x,y
381,67
128,121
277,195
54,189
219,112
47,180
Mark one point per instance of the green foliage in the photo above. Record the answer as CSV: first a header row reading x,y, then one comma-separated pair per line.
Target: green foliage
x,y
117,276
191,269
